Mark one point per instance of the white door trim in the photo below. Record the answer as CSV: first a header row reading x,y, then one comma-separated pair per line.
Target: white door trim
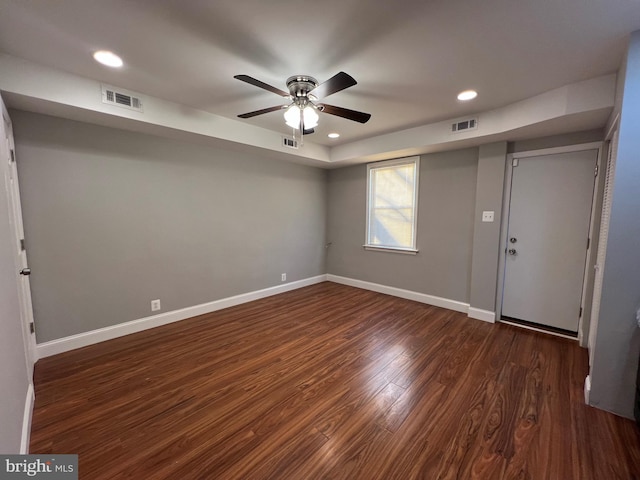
x,y
605,213
582,334
27,417
556,150
26,312
506,210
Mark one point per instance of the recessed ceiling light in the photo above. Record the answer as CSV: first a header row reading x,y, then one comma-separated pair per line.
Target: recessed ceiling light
x,y
108,58
333,135
467,95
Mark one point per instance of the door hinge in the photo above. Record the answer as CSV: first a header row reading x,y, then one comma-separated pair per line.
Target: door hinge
x,y
22,247
32,328
580,316
13,156
588,243
514,162
595,173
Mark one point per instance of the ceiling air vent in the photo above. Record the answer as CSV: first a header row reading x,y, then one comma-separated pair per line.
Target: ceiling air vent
x,y
463,125
290,142
121,98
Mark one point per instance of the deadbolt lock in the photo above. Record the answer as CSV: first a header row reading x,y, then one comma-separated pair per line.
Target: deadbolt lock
x,y
513,239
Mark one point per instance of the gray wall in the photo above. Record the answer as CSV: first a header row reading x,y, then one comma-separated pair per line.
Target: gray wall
x,y
486,236
114,219
617,345
13,367
445,228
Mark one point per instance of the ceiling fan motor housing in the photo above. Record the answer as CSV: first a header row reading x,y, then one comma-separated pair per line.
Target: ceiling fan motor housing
x,y
299,86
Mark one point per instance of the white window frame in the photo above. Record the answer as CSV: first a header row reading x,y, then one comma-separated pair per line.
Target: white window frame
x,y
386,164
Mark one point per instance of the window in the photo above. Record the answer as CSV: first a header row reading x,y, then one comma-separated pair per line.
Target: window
x,y
392,204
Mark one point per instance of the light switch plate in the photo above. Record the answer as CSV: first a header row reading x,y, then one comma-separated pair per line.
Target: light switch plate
x,y
487,216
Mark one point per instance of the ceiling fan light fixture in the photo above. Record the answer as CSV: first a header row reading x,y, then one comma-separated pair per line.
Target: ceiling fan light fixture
x,y
292,116
309,117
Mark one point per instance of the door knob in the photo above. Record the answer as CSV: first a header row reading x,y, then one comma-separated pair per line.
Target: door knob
x,y
25,271
513,239
512,251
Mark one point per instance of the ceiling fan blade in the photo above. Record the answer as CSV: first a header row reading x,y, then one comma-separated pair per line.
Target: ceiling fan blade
x,y
260,112
308,131
338,82
354,115
258,83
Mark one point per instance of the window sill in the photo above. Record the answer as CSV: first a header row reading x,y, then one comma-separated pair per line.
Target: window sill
x,y
378,248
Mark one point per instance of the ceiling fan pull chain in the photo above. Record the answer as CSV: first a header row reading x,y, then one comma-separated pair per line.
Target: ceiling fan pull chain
x,y
295,137
301,124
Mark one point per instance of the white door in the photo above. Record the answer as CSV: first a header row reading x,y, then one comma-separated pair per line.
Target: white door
x,y
549,214
20,254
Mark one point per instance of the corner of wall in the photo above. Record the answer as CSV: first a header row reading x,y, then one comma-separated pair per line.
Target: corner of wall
x,y
486,235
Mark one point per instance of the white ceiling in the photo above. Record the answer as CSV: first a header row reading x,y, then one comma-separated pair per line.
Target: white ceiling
x,y
410,58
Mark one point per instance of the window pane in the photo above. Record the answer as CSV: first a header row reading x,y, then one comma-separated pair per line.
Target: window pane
x,y
391,205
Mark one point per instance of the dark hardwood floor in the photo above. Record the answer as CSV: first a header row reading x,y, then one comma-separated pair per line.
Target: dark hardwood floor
x,y
330,382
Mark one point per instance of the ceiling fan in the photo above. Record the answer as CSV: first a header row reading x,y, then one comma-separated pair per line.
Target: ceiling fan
x,y
302,100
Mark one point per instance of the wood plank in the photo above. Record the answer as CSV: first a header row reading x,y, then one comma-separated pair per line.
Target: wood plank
x,y
330,381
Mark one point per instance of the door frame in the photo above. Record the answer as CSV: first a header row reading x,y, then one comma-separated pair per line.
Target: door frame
x,y
610,152
504,227
15,215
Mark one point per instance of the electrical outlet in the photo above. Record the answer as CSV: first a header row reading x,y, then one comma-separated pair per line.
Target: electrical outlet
x,y
487,216
155,305
284,277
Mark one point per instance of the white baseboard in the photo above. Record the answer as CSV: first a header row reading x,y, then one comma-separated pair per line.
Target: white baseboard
x,y
399,292
80,340
26,420
484,315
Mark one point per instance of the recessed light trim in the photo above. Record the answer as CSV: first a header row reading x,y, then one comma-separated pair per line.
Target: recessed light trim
x,y
110,59
467,95
333,135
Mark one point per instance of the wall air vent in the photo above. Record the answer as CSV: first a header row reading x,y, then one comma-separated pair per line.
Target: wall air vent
x,y
290,142
121,98
464,125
